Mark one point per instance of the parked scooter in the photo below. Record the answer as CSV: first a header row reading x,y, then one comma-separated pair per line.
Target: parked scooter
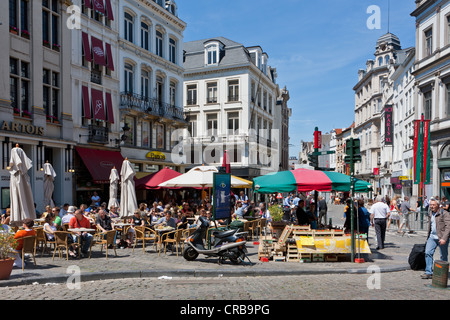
x,y
228,244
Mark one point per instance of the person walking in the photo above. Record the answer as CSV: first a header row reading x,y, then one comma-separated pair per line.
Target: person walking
x,y
394,216
379,213
405,209
323,209
438,235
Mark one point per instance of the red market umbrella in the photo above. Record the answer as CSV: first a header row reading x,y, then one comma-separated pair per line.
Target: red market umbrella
x,y
304,180
153,180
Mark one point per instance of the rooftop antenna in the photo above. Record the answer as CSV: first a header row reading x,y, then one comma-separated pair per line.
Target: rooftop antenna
x,y
389,12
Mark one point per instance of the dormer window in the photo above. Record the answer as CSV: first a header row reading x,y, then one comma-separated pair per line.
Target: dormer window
x,y
213,52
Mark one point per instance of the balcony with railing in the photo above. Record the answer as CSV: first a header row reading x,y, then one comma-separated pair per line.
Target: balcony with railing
x,y
98,134
151,106
96,77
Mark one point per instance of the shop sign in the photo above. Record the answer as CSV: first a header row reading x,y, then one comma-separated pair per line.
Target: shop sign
x,y
156,155
403,178
22,128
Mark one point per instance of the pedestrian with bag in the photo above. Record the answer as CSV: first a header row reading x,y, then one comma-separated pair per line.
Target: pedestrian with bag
x,y
438,235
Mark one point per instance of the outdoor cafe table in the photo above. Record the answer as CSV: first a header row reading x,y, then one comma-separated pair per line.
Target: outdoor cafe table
x,y
120,227
75,230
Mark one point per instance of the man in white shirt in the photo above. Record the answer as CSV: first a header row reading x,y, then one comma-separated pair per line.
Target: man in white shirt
x,y
379,213
69,215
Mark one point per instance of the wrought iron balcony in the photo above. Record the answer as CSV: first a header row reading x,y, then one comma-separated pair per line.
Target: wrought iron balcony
x,y
151,106
98,134
96,77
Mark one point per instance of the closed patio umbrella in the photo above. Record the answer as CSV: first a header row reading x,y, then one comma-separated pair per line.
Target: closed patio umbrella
x,y
49,186
113,187
128,202
21,196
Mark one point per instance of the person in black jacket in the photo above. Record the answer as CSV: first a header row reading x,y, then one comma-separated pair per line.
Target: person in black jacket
x,y
302,217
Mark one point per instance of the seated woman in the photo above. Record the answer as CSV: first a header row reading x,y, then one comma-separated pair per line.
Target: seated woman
x,y
49,226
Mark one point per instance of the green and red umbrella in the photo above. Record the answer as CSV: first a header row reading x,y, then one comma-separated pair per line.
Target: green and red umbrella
x,y
304,180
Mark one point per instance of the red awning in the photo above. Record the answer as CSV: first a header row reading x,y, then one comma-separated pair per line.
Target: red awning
x,y
109,107
99,6
153,180
98,106
99,52
109,57
86,47
109,10
100,162
86,104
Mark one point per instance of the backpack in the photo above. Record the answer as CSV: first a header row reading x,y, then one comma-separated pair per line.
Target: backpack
x,y
416,258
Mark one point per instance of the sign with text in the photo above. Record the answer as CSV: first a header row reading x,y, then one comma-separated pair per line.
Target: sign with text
x,y
388,125
221,196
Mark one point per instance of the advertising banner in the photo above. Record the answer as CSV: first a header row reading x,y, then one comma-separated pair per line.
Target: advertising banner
x,y
388,126
221,196
426,152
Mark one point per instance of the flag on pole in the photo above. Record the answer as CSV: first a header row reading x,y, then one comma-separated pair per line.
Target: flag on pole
x,y
418,156
426,152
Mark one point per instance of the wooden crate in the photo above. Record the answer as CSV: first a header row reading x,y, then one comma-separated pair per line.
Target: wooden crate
x,y
331,257
292,253
305,257
318,257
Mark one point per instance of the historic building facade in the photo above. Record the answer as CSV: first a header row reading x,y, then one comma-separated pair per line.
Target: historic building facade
x,y
35,94
151,83
432,79
233,103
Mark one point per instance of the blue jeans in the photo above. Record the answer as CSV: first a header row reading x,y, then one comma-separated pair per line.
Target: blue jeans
x,y
85,241
430,248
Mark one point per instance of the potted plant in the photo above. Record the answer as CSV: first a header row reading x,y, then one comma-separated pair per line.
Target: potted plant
x,y
16,112
7,252
25,34
56,47
276,212
13,29
26,114
46,43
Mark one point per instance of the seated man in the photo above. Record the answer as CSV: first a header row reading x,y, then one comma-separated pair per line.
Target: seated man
x,y
104,222
80,221
26,232
167,220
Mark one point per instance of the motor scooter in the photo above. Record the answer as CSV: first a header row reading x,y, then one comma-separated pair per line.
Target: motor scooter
x,y
228,244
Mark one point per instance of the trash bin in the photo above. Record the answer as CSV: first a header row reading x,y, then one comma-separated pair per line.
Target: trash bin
x,y
440,274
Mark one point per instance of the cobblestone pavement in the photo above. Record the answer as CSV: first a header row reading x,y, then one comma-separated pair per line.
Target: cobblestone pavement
x,y
402,285
135,275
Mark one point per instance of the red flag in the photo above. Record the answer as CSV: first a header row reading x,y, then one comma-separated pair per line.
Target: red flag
x,y
226,162
426,152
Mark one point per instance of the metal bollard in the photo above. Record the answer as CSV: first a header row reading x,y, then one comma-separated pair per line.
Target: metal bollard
x,y
440,274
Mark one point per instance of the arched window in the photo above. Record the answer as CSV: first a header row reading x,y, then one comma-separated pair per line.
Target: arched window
x,y
172,50
159,43
211,54
145,84
128,27
144,35
386,60
129,78
446,152
380,61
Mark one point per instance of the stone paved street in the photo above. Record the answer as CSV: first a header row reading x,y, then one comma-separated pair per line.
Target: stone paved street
x,y
137,276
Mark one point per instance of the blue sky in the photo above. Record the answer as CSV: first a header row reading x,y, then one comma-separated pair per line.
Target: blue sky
x,y
316,46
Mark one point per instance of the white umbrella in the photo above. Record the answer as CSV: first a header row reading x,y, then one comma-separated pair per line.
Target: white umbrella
x,y
128,202
198,177
113,187
21,196
49,187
